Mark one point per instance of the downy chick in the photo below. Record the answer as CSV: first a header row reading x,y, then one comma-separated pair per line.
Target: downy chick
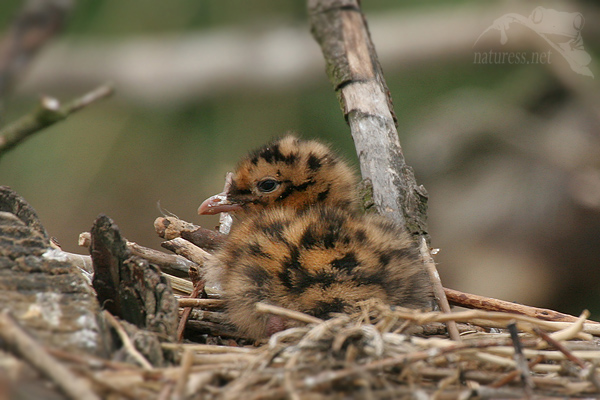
x,y
301,244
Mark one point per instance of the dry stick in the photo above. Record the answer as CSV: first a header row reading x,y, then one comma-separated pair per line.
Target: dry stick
x,y
489,318
91,361
570,356
204,303
284,312
186,365
438,289
194,253
520,359
588,373
127,341
187,311
166,262
513,374
208,348
18,342
180,284
188,250
48,113
469,300
329,376
354,70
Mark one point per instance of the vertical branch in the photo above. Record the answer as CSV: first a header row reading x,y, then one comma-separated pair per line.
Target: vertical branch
x,y
354,70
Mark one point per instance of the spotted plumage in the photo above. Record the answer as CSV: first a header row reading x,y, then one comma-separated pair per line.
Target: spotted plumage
x,y
288,172
305,251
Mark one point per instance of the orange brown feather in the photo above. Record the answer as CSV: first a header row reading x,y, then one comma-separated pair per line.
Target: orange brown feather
x,y
299,242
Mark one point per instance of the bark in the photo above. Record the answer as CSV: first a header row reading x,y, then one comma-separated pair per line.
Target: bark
x,y
50,298
354,70
129,286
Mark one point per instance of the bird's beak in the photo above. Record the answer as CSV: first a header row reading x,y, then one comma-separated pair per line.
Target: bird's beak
x,y
217,204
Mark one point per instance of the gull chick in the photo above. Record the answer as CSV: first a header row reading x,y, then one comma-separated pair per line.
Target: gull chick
x,y
300,243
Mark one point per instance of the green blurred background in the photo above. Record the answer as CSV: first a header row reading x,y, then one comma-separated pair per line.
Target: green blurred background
x,y
509,153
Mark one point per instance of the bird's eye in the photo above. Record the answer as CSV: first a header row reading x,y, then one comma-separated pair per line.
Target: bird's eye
x,y
267,185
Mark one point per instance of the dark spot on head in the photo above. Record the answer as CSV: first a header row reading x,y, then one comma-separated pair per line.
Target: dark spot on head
x,y
313,163
272,154
290,189
235,191
254,160
346,263
291,158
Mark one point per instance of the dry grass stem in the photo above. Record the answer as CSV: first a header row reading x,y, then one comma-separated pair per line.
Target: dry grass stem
x,y
127,341
284,312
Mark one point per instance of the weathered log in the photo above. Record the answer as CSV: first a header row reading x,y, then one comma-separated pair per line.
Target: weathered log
x,y
50,298
129,286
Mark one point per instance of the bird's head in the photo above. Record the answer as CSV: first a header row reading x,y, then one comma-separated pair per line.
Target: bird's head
x,y
287,172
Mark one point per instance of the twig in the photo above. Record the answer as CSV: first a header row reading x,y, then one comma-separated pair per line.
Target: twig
x,y
186,364
90,361
513,374
559,346
329,376
169,263
573,330
18,342
438,289
469,300
48,113
589,374
204,303
207,348
520,359
284,312
180,284
127,341
188,250
353,68
488,318
187,311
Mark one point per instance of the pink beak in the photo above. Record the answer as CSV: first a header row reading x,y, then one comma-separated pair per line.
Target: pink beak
x,y
217,204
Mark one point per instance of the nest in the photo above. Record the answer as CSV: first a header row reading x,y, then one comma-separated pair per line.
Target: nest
x,y
374,352
377,352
